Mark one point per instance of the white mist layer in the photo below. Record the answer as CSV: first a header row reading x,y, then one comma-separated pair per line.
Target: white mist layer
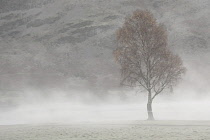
x,y
75,112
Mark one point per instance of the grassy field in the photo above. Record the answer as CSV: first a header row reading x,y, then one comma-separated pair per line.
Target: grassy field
x,y
135,130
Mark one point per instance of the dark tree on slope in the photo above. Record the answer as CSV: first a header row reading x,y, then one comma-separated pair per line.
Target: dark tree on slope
x,y
144,57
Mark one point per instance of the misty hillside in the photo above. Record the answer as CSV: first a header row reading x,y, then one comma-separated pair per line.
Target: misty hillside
x,y
69,43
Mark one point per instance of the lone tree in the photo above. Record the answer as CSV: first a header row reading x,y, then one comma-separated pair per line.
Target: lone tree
x,y
144,57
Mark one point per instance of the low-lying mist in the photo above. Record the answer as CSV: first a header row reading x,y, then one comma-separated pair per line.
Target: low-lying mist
x,y
84,107
188,101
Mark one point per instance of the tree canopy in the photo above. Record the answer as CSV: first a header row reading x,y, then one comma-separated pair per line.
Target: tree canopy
x,y
144,56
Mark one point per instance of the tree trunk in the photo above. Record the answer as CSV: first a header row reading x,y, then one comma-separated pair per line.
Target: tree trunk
x,y
149,107
149,111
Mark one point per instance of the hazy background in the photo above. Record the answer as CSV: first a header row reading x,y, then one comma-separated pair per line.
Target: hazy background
x,y
56,62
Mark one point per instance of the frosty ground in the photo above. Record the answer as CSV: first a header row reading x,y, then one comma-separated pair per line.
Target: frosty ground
x,y
123,130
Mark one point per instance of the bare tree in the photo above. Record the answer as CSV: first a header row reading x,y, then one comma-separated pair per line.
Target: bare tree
x,y
144,57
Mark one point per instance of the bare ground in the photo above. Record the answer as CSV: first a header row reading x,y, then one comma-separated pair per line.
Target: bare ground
x,y
135,130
